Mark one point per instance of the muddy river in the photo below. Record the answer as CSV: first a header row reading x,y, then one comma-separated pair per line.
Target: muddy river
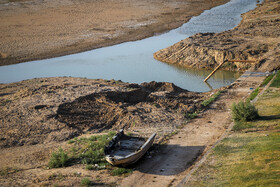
x,y
133,61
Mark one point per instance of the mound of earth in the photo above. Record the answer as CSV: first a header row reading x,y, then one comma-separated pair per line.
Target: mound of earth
x,y
56,109
253,39
147,105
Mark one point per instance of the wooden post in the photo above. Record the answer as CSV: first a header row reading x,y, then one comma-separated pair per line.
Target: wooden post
x,y
214,71
247,61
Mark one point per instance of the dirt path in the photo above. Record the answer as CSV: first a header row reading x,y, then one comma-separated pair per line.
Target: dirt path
x,y
172,163
35,29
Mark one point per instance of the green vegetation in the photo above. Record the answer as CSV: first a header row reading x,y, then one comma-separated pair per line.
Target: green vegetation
x,y
211,99
121,171
249,157
86,182
58,159
247,160
276,81
88,151
244,111
266,80
190,116
254,94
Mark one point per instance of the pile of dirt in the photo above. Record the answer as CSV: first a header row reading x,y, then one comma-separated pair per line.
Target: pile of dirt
x,y
56,109
147,105
253,39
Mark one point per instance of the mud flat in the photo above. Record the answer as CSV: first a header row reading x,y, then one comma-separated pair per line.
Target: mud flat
x,y
31,29
257,38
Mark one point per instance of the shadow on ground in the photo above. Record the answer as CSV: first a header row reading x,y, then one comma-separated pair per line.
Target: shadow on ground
x,y
168,159
272,117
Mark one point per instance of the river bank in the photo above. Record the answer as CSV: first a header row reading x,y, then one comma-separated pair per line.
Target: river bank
x,y
32,30
39,115
254,39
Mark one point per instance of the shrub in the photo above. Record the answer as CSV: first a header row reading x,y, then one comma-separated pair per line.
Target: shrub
x,y
244,111
121,171
190,116
58,159
86,182
211,99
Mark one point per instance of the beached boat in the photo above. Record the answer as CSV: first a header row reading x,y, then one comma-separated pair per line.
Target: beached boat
x,y
125,150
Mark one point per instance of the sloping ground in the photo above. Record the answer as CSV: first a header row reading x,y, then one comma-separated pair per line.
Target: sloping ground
x,y
171,164
253,39
249,156
39,115
56,109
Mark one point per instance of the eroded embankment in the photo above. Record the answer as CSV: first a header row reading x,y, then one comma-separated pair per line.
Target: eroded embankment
x,y
255,38
56,109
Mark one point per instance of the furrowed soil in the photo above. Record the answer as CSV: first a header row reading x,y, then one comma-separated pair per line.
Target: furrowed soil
x,y
256,38
36,29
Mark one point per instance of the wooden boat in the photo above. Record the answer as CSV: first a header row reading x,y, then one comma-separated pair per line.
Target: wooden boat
x,y
125,150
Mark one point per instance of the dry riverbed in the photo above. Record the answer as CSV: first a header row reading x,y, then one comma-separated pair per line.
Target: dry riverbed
x,y
35,29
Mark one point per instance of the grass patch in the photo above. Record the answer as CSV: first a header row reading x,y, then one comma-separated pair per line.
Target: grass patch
x,y
254,94
121,171
242,160
267,80
247,159
211,99
58,159
190,116
89,151
241,125
86,182
276,81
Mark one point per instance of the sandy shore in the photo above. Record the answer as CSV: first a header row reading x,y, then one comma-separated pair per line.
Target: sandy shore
x,y
35,29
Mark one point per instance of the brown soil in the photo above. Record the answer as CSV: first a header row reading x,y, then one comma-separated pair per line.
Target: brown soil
x,y
57,109
254,39
39,115
32,29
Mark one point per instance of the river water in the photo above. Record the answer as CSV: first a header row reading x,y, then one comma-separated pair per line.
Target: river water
x,y
133,61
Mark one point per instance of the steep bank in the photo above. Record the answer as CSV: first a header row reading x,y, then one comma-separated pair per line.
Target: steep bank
x,y
31,29
257,37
